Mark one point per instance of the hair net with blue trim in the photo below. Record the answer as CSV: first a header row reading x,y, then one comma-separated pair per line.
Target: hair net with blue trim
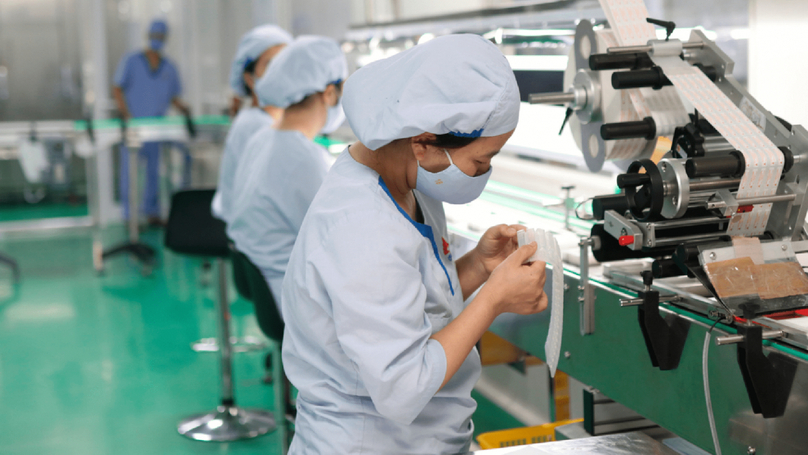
x,y
252,45
458,84
304,67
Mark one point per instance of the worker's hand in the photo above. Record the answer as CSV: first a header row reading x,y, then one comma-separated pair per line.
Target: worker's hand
x,y
516,286
496,245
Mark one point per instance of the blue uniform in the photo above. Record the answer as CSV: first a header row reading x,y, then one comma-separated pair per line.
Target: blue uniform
x,y
246,123
365,289
148,94
276,180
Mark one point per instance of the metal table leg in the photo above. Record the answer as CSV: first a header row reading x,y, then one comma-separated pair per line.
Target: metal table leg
x,y
228,422
142,252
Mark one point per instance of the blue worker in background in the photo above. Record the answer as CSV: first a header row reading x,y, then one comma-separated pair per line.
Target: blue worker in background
x,y
146,83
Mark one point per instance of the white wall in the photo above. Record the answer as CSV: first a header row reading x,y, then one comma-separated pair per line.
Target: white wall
x,y
777,57
364,11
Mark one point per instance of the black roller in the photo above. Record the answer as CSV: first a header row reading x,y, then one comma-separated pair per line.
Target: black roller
x,y
600,204
645,129
652,77
788,158
666,268
732,164
601,62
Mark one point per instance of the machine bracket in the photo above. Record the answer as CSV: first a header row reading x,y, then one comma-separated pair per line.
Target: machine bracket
x,y
664,337
586,295
768,379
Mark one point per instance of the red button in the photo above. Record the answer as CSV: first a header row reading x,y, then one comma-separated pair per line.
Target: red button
x,y
625,240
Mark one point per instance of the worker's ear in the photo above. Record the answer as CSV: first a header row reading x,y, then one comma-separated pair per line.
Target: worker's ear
x,y
249,79
422,144
331,95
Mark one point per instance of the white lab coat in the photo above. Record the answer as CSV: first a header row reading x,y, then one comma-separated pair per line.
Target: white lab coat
x,y
247,122
276,181
365,289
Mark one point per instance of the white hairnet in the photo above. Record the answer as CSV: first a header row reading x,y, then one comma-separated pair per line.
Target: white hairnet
x,y
459,84
306,66
252,45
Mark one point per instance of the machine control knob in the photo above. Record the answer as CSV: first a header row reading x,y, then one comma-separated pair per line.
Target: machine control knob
x,y
645,193
626,180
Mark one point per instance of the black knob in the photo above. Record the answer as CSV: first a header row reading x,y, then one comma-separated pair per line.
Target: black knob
x,y
647,277
631,180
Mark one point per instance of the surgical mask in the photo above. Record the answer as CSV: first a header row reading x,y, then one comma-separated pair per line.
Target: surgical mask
x,y
336,117
156,44
451,184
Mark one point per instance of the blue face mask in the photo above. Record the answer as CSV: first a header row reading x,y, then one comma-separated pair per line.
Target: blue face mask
x,y
451,184
156,44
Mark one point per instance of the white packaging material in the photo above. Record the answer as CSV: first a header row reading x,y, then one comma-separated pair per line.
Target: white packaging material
x,y
549,252
33,160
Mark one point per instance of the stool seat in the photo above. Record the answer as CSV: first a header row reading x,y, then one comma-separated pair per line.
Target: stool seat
x,y
266,309
191,228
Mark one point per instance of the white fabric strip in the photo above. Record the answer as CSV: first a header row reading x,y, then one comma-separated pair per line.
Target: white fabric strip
x,y
627,19
549,252
764,161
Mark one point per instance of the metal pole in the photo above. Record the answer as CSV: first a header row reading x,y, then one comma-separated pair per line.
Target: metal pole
x,y
647,48
281,393
551,98
711,185
734,339
134,210
225,348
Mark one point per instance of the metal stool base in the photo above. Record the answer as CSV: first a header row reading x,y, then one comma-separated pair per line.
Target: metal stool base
x,y
227,423
243,344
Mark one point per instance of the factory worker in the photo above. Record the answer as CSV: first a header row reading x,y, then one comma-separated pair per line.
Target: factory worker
x,y
378,339
255,50
283,168
145,84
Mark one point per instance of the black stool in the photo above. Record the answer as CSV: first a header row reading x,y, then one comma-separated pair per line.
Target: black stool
x,y
192,230
271,323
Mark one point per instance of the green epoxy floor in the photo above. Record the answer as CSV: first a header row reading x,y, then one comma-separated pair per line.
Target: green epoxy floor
x,y
22,212
103,365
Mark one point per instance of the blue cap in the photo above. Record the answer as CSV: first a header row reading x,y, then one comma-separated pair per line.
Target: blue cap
x,y
158,26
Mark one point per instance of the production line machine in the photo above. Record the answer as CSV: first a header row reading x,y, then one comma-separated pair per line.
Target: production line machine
x,y
706,239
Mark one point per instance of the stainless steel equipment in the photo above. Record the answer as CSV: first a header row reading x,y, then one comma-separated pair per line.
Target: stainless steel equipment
x,y
657,240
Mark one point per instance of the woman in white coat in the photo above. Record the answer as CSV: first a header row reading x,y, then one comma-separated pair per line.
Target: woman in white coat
x,y
282,168
255,50
379,339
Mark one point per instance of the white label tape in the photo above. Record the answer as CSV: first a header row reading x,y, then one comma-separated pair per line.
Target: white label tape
x,y
549,252
764,161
